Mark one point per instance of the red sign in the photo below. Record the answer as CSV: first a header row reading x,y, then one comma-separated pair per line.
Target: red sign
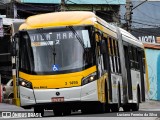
x,y
57,99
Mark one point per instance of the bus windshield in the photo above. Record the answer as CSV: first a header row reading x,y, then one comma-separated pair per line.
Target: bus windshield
x,y
55,51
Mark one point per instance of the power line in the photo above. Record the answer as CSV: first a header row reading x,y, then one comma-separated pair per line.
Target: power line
x,y
154,4
138,5
145,32
135,19
145,24
147,15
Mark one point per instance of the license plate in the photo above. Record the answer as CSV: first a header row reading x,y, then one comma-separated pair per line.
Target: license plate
x,y
57,99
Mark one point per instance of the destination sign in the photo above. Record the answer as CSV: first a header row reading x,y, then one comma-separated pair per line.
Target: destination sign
x,y
40,37
51,38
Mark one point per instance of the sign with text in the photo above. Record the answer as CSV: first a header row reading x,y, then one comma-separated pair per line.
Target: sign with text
x,y
147,35
1,28
147,39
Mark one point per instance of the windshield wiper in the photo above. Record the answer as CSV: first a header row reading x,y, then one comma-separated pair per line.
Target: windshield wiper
x,y
47,42
78,37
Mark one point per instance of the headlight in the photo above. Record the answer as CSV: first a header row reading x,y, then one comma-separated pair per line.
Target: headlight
x,y
25,83
90,78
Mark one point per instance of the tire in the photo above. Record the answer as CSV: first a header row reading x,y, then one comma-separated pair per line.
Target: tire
x,y
94,108
57,112
39,110
126,108
101,108
67,112
87,109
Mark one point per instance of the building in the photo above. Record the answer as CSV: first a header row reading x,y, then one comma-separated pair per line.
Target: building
x,y
21,9
106,9
5,44
145,26
151,39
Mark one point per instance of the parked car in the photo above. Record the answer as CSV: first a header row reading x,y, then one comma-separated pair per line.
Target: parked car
x,y
8,90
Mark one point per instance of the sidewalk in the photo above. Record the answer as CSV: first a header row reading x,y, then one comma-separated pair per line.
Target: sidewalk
x,y
10,107
150,104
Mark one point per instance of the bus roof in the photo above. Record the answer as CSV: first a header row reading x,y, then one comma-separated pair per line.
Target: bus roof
x,y
69,18
126,36
59,19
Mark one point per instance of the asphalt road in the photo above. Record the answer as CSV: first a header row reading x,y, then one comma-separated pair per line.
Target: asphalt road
x,y
148,111
142,114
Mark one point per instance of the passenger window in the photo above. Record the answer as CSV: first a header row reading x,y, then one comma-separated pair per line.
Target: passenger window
x,y
114,57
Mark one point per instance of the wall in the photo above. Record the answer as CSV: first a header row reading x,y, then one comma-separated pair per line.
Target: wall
x,y
153,61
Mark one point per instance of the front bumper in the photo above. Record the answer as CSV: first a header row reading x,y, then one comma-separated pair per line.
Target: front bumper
x,y
79,94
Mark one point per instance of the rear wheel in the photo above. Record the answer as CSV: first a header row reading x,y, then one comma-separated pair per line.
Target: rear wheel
x,y
126,108
114,108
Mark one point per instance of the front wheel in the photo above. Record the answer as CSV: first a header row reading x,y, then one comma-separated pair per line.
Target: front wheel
x,y
57,112
66,112
39,110
94,108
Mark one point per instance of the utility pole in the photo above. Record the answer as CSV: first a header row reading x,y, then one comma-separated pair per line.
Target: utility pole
x,y
63,7
14,9
11,9
128,15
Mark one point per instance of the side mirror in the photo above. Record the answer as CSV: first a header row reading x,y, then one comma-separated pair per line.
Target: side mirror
x,y
14,45
103,47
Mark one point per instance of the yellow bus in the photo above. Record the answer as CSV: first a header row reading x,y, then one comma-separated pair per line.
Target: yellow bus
x,y
71,61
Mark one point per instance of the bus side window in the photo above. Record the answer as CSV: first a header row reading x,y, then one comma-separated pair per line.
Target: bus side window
x,y
136,59
131,57
110,54
118,66
114,56
105,56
